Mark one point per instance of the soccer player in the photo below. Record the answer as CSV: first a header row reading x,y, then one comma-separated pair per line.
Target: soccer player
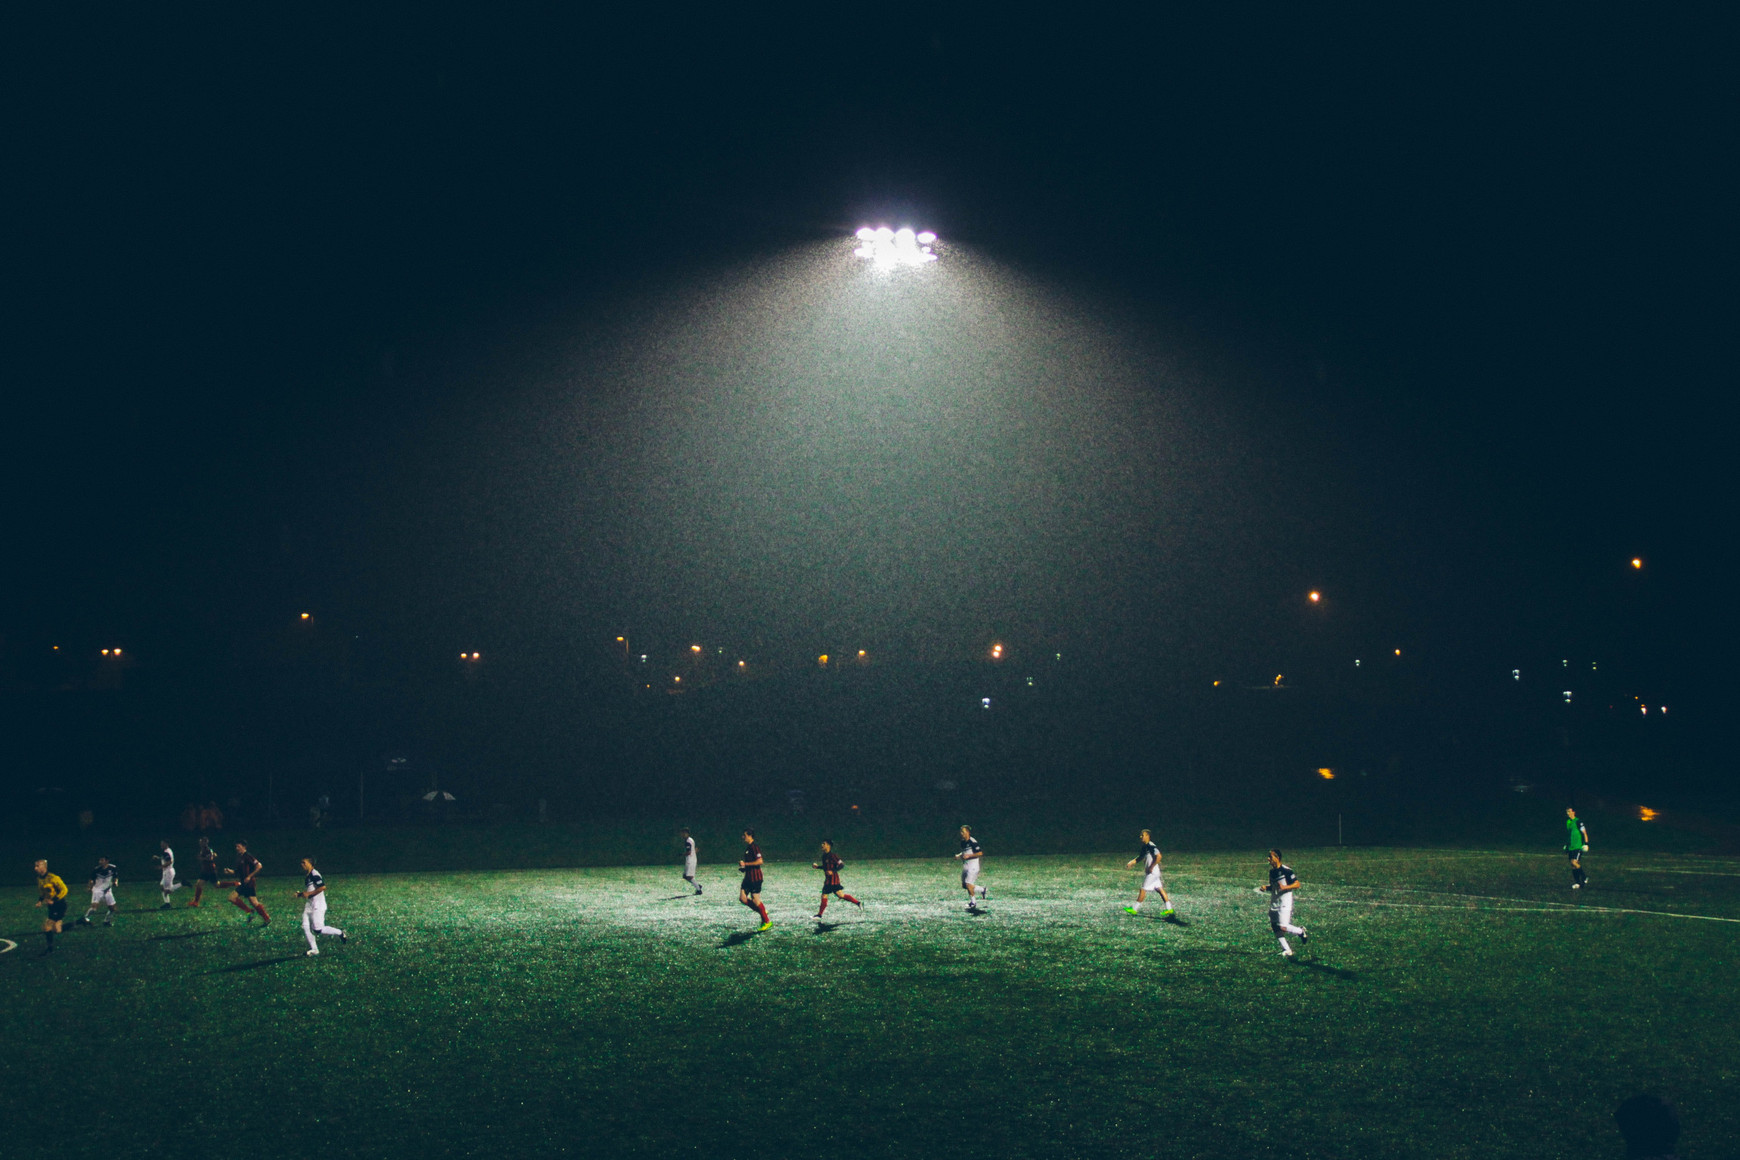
x,y
749,893
313,895
51,892
208,872
690,860
830,866
1148,854
103,880
166,864
1576,845
245,895
969,856
1282,885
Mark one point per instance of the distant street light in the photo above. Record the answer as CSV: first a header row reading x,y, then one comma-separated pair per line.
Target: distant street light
x,y
1637,562
996,652
1315,596
304,616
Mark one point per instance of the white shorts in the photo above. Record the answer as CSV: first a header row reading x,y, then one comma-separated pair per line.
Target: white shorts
x,y
1281,910
1152,881
689,867
315,909
969,872
168,877
103,897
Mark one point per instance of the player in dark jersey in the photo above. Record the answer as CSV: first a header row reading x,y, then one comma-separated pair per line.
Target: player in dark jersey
x,y
245,894
1283,884
969,857
103,879
51,892
830,866
1148,854
313,895
208,871
749,892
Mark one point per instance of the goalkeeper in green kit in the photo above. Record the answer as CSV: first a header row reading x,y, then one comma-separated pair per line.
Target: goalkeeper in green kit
x,y
1576,845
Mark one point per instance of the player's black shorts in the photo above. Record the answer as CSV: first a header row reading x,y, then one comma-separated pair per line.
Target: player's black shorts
x,y
835,888
57,910
751,885
1573,855
245,889
208,876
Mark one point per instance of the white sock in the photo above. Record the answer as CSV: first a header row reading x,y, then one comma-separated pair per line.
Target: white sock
x,y
1136,905
1285,949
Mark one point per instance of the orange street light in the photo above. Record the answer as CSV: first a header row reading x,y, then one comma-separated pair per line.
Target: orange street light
x,y
304,616
1315,596
695,648
1637,561
996,652
1326,774
822,660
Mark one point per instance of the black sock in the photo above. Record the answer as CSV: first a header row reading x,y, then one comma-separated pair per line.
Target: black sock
x,y
49,935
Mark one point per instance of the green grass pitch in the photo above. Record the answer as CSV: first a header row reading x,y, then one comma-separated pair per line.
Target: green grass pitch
x,y
1449,1004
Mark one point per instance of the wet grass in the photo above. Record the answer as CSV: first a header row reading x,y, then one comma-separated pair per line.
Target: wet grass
x,y
1450,1003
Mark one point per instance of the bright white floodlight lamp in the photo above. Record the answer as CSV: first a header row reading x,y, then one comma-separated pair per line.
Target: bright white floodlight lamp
x,y
887,248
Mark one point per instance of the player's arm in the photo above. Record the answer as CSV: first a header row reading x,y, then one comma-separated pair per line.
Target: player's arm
x,y
1585,830
1286,886
1131,864
321,889
255,872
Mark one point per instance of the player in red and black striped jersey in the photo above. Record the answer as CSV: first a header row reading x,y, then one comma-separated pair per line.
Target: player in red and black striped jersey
x,y
749,892
208,872
830,866
245,895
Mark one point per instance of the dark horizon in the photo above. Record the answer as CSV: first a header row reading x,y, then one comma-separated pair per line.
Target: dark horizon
x,y
1423,313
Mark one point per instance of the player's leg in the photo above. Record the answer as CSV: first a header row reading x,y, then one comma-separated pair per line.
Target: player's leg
x,y
308,925
109,919
198,891
853,901
241,903
823,908
260,909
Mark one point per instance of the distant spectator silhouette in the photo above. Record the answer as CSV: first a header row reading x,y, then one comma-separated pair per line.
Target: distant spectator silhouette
x,y
1650,1127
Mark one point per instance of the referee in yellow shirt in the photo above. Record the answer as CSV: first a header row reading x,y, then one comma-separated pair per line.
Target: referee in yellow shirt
x,y
52,893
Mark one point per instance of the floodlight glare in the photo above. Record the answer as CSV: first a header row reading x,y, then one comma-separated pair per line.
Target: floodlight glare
x,y
887,248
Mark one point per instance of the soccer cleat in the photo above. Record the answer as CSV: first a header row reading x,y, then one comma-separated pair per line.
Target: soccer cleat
x,y
859,905
697,892
1131,910
765,926
1576,886
1286,954
985,893
1168,912
165,906
817,914
341,937
1303,937
85,921
312,952
108,922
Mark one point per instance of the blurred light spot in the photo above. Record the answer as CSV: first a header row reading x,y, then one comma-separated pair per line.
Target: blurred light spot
x,y
1326,773
1645,814
1315,597
1567,696
984,702
1637,562
822,660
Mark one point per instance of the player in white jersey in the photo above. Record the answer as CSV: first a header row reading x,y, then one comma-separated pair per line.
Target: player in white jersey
x,y
690,860
1148,854
103,880
166,862
969,857
313,895
1283,884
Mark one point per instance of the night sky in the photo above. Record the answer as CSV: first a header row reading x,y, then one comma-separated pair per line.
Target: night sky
x,y
547,328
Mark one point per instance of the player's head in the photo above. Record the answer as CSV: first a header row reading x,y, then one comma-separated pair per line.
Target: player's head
x,y
1275,858
748,834
684,831
307,864
1570,811
241,847
966,832
1649,1126
204,842
163,843
102,861
827,844
1146,836
40,866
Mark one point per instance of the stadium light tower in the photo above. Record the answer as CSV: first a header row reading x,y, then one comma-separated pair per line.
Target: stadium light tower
x,y
887,249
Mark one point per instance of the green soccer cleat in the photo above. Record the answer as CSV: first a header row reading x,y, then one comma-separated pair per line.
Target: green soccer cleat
x,y
765,926
1131,910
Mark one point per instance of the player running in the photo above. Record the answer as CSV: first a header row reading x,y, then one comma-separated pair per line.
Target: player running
x,y
245,894
749,893
690,860
166,872
830,866
1576,845
1148,854
313,895
1283,883
208,871
969,856
51,892
103,880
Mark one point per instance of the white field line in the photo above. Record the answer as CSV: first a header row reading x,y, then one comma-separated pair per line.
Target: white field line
x,y
1563,909
1665,870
